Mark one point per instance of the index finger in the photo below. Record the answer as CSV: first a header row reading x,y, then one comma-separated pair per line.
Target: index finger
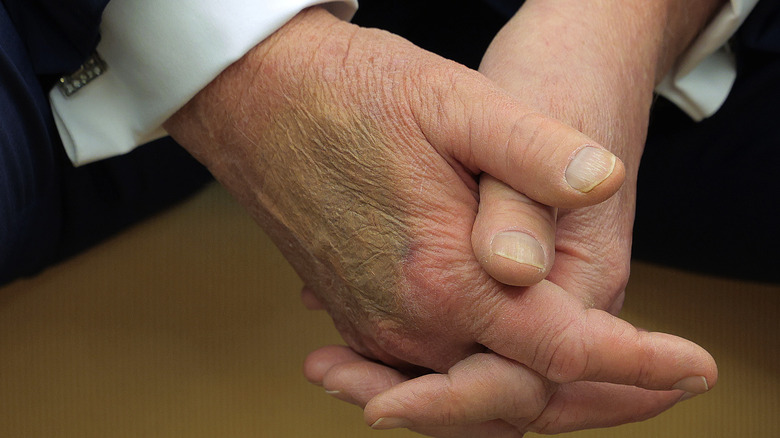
x,y
549,330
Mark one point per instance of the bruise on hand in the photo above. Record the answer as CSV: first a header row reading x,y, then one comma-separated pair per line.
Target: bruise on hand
x,y
324,183
339,200
343,183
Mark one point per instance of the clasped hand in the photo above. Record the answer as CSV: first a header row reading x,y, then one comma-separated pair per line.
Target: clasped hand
x,y
359,154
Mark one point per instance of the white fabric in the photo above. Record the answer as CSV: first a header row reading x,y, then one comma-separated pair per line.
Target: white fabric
x,y
159,54
702,79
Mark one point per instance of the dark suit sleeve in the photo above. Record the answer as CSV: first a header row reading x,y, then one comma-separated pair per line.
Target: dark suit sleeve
x,y
58,34
708,191
50,210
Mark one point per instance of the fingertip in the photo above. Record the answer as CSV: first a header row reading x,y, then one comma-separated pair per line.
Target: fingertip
x,y
697,372
595,174
703,379
693,385
320,361
314,368
563,168
516,259
385,423
654,360
591,175
348,376
372,413
650,360
310,300
712,381
404,400
513,236
588,167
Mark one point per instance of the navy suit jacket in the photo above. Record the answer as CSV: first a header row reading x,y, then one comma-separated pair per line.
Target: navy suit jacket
x,y
58,35
49,209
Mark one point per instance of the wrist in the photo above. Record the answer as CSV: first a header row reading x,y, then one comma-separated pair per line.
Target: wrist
x,y
270,72
650,34
596,62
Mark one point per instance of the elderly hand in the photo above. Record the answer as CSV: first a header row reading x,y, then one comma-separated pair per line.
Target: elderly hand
x,y
608,97
357,152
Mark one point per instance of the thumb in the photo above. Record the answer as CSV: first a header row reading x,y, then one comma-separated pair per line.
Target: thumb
x,y
513,237
486,130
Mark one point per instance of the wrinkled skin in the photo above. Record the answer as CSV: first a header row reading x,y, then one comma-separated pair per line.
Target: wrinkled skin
x,y
357,152
592,247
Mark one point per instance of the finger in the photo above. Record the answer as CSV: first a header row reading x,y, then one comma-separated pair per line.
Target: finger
x,y
513,236
587,405
593,252
352,378
349,376
571,343
320,361
486,387
310,300
480,388
486,130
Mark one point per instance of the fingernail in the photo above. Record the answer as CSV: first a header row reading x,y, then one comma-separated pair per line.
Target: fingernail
x,y
694,384
340,396
687,396
518,247
391,423
589,167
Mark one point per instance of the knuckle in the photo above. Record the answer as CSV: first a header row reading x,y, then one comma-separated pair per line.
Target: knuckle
x,y
531,130
566,357
456,409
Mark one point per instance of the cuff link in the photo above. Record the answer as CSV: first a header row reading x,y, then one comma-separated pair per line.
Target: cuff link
x,y
93,67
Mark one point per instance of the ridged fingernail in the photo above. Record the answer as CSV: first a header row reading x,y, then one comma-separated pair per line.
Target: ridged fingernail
x,y
589,167
518,247
693,384
391,423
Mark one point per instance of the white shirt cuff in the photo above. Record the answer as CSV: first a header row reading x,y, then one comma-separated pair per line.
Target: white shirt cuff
x,y
159,54
702,78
